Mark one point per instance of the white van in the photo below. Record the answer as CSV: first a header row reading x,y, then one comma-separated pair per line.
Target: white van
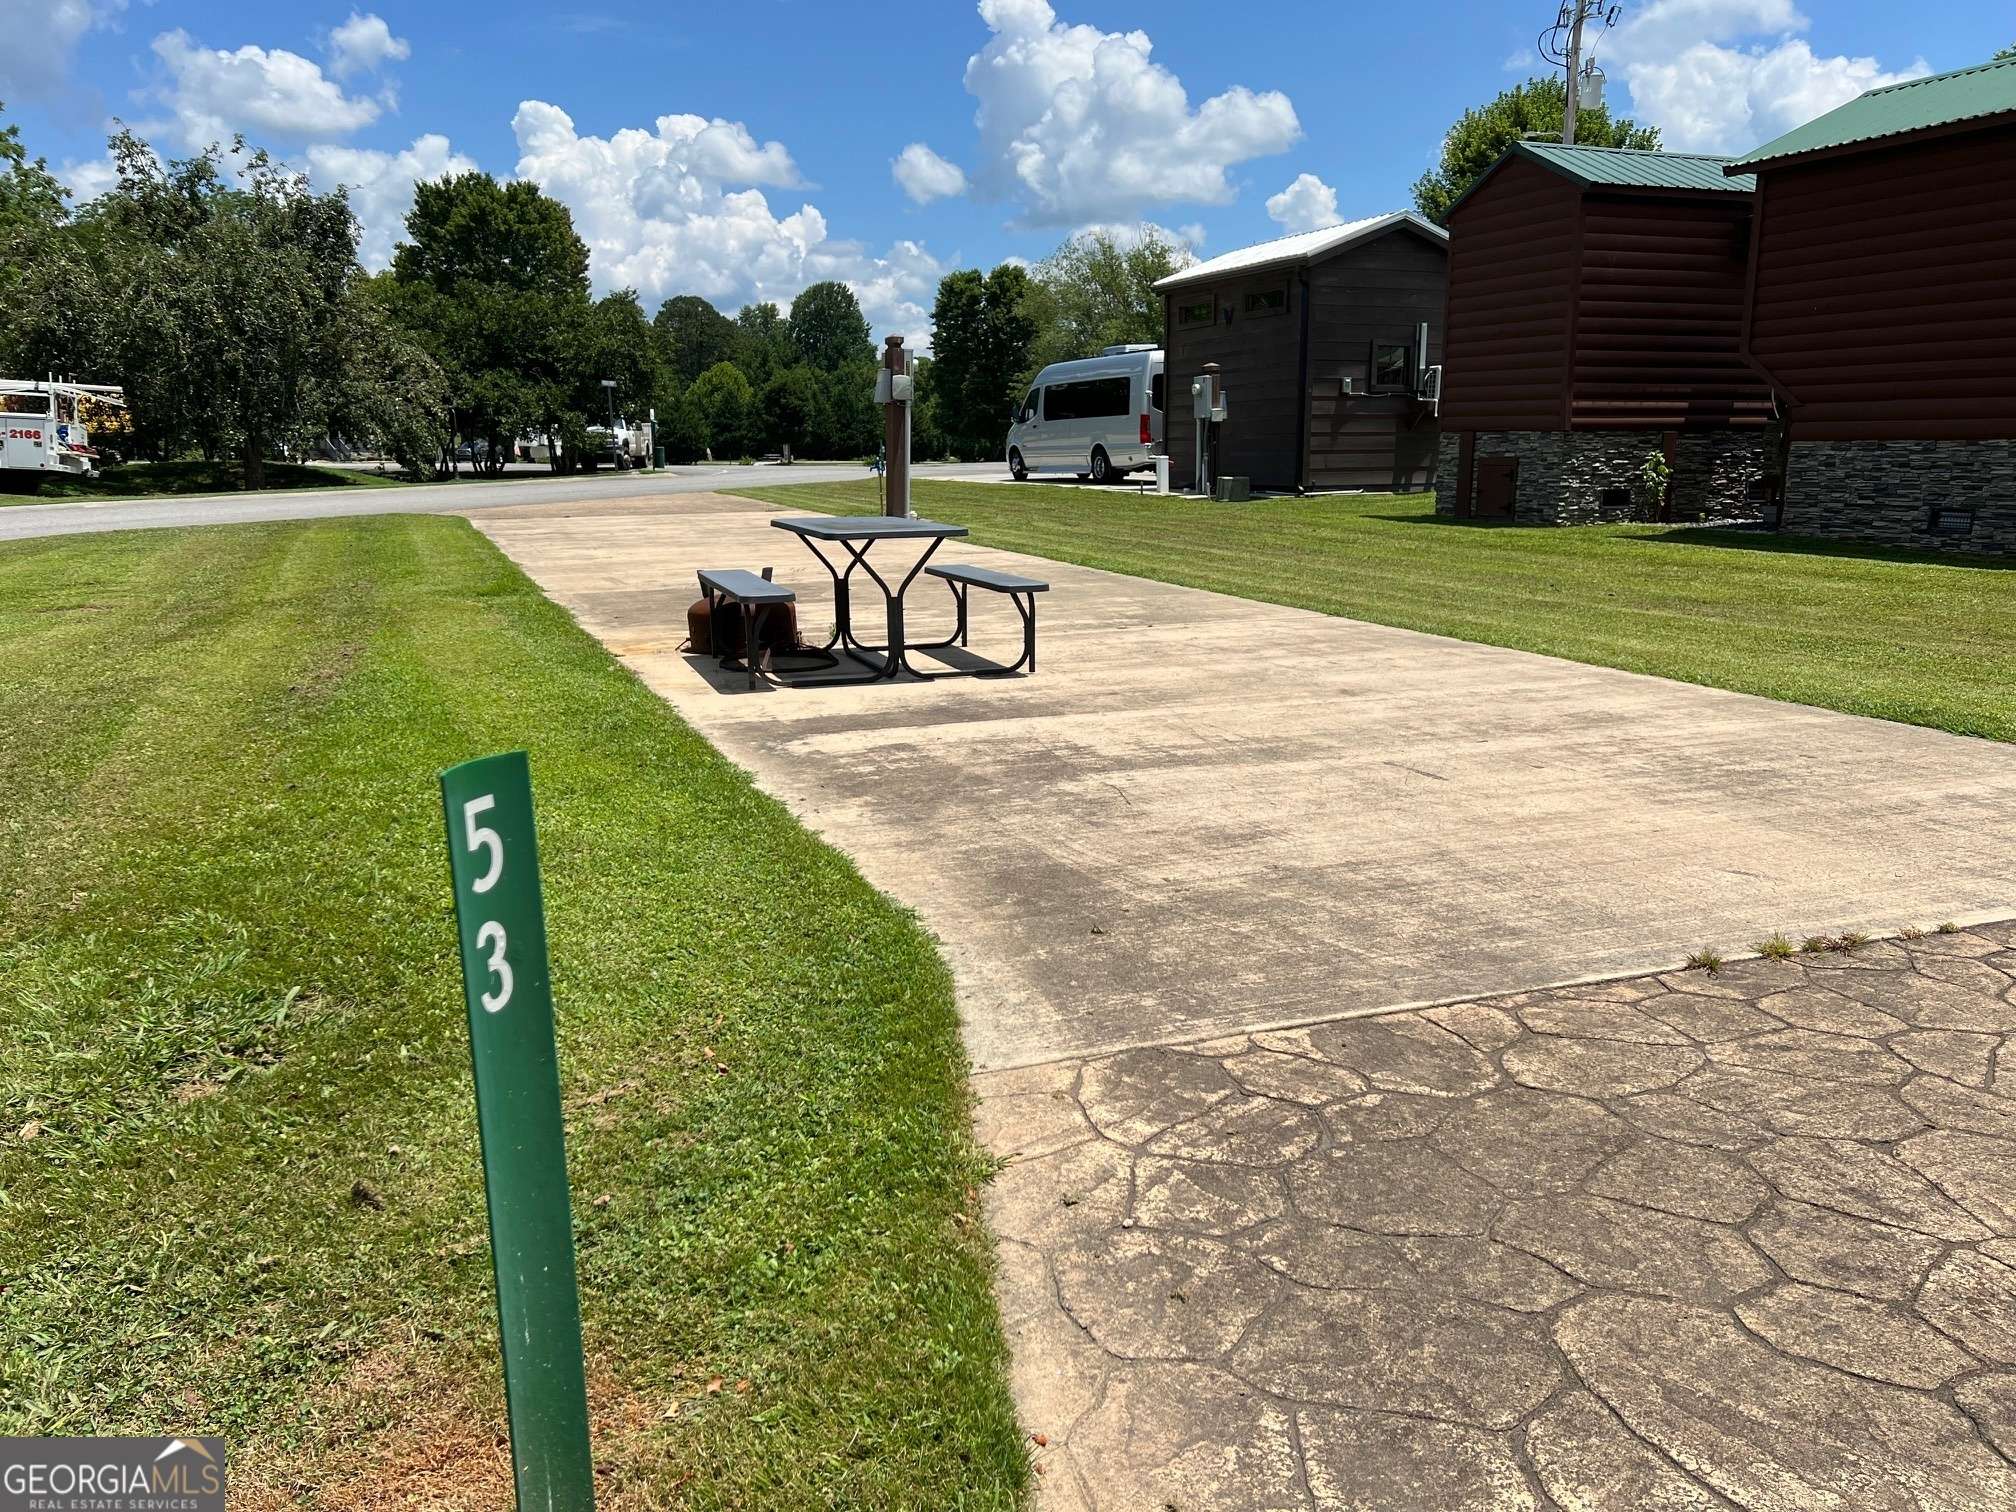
x,y
1100,417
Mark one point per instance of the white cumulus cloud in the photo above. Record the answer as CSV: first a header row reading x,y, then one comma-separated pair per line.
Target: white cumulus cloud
x,y
365,44
1308,204
679,209
266,94
381,186
925,176
1729,75
35,57
1078,124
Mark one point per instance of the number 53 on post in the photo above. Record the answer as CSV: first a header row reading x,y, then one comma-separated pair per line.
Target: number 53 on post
x,y
494,860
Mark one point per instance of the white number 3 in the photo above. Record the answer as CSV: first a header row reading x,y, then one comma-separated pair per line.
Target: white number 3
x,y
492,934
481,836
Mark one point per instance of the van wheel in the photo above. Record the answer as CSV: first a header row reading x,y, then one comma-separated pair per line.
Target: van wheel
x,y
1017,468
1102,466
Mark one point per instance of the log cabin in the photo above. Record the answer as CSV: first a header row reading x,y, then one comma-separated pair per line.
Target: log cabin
x,y
1319,341
1882,310
1595,322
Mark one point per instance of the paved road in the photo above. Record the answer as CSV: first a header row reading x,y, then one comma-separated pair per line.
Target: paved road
x,y
21,522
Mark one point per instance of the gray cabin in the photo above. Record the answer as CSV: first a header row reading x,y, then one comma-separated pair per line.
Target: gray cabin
x,y
1324,341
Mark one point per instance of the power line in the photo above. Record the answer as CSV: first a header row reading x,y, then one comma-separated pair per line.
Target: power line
x,y
1566,45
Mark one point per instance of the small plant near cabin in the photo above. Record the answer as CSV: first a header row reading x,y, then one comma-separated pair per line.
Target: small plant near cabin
x,y
1910,932
1707,959
1843,943
1814,944
1655,476
1777,948
1949,927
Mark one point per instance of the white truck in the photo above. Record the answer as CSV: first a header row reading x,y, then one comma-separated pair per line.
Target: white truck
x,y
43,430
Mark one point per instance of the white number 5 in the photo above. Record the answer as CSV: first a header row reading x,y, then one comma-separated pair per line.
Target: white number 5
x,y
492,934
480,836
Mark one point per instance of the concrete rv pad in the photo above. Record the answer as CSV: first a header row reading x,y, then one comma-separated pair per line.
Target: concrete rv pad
x,y
1206,815
1683,1241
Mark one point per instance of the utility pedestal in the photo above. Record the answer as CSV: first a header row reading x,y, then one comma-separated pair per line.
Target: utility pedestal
x,y
1207,401
895,387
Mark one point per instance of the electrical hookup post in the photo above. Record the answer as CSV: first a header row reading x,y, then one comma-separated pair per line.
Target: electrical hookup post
x,y
494,860
895,388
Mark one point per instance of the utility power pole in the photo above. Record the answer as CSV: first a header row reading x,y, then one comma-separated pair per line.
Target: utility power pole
x,y
1563,43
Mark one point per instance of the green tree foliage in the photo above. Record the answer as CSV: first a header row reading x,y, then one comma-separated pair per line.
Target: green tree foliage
x,y
694,335
828,330
1097,291
225,296
32,204
2007,52
725,401
619,343
982,344
762,343
1481,136
682,428
493,281
792,405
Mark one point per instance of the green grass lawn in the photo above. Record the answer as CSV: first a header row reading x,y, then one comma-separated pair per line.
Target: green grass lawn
x,y
149,480
1926,641
239,1179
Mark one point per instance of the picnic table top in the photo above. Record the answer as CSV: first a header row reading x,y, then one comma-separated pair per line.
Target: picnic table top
x,y
868,528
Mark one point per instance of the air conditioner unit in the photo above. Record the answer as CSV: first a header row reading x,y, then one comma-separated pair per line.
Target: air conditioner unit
x,y
1431,389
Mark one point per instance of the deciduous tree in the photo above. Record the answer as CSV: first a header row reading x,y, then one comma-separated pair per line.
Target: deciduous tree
x,y
695,335
727,403
981,344
1098,290
1533,109
828,330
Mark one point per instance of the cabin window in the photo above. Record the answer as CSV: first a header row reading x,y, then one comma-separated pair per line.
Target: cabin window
x,y
1268,301
1949,522
1198,312
1392,367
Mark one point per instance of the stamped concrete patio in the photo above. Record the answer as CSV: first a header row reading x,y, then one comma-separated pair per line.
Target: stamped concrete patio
x,y
1686,1241
1682,1241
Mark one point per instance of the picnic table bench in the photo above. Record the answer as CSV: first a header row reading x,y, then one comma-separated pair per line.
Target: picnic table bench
x,y
751,592
962,578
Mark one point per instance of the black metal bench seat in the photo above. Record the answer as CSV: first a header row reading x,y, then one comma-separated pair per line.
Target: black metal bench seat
x,y
962,578
755,595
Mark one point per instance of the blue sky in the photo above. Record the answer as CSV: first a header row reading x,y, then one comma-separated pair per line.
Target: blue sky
x,y
742,150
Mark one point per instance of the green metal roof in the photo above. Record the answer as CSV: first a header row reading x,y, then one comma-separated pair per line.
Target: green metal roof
x,y
1948,99
1623,168
1632,168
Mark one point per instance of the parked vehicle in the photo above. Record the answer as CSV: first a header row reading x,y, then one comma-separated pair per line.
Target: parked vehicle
x,y
1099,417
42,427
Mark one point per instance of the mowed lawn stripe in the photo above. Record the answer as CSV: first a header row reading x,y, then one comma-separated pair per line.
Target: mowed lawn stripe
x,y
239,1186
1923,640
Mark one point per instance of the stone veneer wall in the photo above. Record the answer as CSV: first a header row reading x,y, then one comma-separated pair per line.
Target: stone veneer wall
x,y
1887,491
1562,474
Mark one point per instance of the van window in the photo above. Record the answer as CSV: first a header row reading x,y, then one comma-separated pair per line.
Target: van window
x,y
1089,399
1156,390
1031,406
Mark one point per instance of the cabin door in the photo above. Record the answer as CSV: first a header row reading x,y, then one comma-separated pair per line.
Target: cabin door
x,y
1497,487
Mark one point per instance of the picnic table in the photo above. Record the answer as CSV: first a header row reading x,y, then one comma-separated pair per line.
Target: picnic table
x,y
856,537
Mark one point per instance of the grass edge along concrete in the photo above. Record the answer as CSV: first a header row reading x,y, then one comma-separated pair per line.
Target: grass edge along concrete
x,y
241,1172
1864,630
